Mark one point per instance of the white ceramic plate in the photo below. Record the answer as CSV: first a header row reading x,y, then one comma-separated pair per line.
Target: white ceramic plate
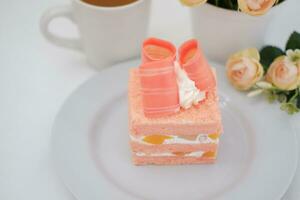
x,y
257,157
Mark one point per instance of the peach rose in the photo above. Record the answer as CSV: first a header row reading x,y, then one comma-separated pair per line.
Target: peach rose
x,y
192,3
284,73
256,7
244,69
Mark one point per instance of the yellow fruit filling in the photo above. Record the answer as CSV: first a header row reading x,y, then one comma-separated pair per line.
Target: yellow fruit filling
x,y
209,154
214,136
156,139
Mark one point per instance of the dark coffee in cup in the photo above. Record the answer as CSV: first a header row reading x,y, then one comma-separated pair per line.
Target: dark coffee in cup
x,y
109,3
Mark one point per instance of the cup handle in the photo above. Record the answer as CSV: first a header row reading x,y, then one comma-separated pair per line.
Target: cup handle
x,y
48,16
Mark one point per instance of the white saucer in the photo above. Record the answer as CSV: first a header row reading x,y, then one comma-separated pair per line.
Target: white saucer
x,y
257,157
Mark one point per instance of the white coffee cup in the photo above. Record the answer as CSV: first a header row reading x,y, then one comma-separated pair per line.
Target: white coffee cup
x,y
107,34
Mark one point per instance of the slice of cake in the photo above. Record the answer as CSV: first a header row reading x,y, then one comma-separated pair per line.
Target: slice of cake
x,y
183,127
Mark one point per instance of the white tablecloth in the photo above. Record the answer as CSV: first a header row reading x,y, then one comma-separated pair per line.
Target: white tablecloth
x,y
36,77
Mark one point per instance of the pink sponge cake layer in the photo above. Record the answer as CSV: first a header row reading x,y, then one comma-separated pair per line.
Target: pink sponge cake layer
x,y
145,160
204,119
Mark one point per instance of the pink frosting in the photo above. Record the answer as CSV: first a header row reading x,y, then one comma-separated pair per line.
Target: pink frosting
x,y
158,79
193,61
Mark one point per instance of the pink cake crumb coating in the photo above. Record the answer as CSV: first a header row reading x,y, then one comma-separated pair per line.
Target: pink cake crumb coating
x,y
136,147
205,118
171,160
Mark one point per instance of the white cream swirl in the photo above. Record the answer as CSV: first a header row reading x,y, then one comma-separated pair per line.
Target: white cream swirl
x,y
188,92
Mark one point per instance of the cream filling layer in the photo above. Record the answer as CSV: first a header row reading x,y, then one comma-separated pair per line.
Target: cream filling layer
x,y
192,154
174,139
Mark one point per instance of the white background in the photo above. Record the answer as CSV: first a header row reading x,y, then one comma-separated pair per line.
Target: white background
x,y
36,77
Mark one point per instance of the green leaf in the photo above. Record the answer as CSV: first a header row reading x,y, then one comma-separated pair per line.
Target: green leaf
x,y
271,96
280,1
292,95
294,41
216,2
282,98
227,4
289,108
268,54
298,102
230,4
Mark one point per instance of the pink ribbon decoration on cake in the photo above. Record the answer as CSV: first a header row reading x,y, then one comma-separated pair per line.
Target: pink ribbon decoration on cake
x,y
193,61
158,79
